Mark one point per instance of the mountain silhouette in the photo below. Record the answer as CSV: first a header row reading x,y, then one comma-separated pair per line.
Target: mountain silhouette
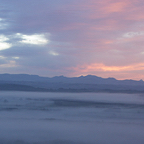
x,y
89,83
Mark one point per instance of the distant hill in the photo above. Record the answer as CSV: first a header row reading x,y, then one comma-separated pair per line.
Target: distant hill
x,y
89,79
89,83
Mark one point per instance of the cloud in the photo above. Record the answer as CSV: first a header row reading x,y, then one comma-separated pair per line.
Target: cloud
x,y
2,57
133,34
15,57
53,53
3,43
9,65
102,67
35,39
121,72
3,24
65,37
22,39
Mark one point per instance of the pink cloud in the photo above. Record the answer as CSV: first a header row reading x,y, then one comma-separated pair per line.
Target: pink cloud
x,y
110,71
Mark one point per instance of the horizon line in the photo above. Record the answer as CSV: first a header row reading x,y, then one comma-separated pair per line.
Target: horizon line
x,y
67,76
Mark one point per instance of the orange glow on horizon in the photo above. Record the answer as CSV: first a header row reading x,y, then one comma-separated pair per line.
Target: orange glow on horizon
x,y
102,67
114,70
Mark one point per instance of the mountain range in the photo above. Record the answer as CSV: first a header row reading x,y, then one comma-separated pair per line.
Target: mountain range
x,y
89,83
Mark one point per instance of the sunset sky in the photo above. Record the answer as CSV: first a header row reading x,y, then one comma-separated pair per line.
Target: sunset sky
x,y
72,38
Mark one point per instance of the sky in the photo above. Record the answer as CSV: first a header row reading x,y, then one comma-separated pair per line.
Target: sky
x,y
72,38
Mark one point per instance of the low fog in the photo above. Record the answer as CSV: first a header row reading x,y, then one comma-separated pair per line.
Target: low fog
x,y
71,118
